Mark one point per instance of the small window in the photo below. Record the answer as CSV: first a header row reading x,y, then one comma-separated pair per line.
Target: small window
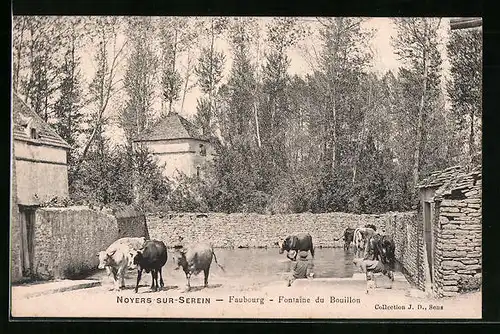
x,y
198,171
203,150
33,133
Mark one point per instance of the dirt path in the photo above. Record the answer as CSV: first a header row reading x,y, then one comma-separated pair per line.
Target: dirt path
x,y
246,297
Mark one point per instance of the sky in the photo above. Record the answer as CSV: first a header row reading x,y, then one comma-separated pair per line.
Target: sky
x,y
384,60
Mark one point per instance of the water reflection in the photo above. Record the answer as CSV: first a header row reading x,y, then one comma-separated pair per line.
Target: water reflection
x,y
328,262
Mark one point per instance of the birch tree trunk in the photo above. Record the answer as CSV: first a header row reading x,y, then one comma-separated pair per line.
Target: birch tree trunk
x,y
420,122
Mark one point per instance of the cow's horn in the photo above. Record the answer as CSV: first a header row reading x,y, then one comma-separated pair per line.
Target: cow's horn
x,y
112,253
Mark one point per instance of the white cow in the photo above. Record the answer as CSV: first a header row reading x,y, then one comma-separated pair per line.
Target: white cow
x,y
115,259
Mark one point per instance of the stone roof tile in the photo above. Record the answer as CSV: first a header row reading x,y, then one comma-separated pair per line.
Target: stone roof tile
x,y
171,127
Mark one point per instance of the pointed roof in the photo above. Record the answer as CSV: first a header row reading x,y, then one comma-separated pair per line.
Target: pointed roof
x,y
23,117
171,127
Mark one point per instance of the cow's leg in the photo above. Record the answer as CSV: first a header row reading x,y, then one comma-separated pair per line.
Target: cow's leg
x,y
206,272
188,278
152,279
154,273
161,279
139,274
121,277
122,285
370,280
113,272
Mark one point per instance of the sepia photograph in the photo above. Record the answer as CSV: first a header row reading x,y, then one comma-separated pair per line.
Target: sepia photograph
x,y
180,167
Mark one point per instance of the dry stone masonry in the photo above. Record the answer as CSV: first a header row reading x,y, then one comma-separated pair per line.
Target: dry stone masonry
x,y
67,240
457,226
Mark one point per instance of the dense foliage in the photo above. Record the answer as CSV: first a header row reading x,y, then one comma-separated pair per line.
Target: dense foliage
x,y
339,137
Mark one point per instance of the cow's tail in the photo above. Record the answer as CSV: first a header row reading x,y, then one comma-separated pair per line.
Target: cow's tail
x,y
215,258
312,246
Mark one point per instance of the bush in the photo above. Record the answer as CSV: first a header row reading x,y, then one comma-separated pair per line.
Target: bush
x,y
469,283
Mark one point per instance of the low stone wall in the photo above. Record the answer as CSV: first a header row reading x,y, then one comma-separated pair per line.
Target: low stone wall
x,y
406,232
255,230
67,240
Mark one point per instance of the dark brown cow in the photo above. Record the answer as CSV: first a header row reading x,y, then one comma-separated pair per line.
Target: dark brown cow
x,y
347,236
152,257
297,242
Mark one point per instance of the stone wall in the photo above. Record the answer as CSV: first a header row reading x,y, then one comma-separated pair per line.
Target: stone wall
x,y
131,223
406,232
458,254
255,230
67,240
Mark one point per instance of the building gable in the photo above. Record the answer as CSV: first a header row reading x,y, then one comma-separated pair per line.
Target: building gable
x,y
29,127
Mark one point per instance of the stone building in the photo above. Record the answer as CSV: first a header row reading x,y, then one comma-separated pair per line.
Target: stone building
x,y
39,174
178,145
451,225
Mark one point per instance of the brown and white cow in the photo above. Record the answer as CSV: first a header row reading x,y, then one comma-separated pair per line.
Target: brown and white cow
x,y
361,237
195,258
115,259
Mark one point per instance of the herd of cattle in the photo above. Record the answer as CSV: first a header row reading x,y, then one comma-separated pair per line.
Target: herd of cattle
x,y
368,244
151,255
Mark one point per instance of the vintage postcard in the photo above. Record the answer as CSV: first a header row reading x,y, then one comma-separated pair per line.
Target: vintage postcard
x,y
246,167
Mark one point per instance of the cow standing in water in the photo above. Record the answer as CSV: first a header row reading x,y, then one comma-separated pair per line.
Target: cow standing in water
x,y
152,257
381,247
361,237
195,258
347,236
297,242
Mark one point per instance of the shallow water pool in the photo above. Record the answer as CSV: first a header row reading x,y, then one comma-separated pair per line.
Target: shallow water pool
x,y
328,262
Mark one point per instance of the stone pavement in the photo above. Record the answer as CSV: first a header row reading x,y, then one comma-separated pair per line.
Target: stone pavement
x,y
31,290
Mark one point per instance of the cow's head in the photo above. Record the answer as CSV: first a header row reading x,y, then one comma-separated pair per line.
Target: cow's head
x,y
283,245
179,258
105,259
134,258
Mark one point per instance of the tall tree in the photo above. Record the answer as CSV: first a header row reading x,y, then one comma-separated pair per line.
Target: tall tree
x,y
465,86
210,73
282,34
105,83
342,60
140,78
67,108
177,35
241,84
39,45
416,44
